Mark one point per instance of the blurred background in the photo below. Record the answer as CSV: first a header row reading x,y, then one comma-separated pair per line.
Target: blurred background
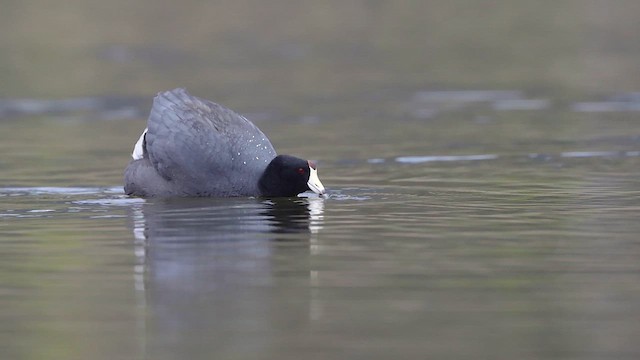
x,y
283,50
307,62
482,157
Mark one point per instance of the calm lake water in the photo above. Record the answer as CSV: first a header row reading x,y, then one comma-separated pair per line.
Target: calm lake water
x,y
487,217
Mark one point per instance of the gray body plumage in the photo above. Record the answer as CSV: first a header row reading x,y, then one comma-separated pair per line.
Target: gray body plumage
x,y
195,147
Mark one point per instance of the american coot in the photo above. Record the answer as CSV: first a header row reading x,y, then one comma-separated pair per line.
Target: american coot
x,y
195,147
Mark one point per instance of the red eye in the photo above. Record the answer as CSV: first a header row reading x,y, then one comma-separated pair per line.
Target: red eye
x,y
301,171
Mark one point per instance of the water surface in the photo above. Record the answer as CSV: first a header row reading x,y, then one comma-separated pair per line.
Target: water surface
x,y
506,252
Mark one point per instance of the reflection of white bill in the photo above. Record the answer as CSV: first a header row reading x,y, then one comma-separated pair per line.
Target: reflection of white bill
x,y
316,223
316,214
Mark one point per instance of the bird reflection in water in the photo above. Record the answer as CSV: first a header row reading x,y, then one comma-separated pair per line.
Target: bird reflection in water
x,y
210,271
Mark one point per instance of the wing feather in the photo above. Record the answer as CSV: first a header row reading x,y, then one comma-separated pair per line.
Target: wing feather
x,y
204,146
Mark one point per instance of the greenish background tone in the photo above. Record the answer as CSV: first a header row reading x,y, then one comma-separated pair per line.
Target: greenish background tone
x,y
531,255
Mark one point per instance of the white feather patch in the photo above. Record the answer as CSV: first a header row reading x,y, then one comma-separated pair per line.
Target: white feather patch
x,y
138,148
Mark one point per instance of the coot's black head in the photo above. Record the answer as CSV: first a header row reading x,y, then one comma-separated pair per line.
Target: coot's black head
x,y
289,176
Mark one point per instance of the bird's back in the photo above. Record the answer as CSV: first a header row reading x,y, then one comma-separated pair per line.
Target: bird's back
x,y
201,148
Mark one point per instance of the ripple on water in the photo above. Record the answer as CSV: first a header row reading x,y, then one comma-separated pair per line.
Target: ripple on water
x,y
435,158
122,201
348,197
45,190
47,202
419,159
